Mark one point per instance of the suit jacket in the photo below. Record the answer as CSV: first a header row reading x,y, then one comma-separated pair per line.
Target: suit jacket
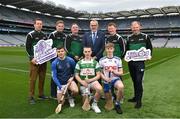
x,y
98,47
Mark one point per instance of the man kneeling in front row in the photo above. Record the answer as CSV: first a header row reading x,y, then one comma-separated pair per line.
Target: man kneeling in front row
x,y
111,73
62,73
87,73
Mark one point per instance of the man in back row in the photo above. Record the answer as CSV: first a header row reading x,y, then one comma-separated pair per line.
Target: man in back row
x,y
58,36
35,69
136,41
73,43
94,39
117,40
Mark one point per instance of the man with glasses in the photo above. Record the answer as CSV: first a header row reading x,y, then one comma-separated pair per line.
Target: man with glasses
x,y
94,39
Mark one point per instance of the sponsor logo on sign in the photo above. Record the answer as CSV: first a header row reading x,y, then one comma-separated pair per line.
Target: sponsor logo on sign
x,y
43,51
138,55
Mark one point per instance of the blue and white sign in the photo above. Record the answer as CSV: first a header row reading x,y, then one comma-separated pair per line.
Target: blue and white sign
x,y
43,51
138,55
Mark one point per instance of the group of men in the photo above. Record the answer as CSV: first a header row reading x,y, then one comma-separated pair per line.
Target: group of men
x,y
88,61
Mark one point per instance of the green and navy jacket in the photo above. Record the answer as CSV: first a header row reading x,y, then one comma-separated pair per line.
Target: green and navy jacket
x,y
58,38
137,41
73,45
31,39
119,44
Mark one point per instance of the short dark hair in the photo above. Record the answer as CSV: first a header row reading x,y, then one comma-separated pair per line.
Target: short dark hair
x,y
60,47
87,47
138,22
112,24
37,19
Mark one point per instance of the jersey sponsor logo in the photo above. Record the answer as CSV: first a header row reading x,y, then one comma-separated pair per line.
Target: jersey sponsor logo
x,y
87,71
138,55
110,68
43,51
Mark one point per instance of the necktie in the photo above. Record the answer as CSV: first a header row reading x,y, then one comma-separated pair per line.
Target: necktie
x,y
94,37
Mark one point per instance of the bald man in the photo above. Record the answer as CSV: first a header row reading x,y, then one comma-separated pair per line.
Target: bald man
x,y
136,41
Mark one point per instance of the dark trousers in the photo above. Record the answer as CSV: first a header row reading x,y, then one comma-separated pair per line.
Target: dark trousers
x,y
53,89
53,85
136,69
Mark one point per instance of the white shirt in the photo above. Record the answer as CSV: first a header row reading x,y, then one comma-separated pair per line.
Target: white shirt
x,y
108,64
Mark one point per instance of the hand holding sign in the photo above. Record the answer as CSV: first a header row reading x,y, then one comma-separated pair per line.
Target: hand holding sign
x,y
43,51
138,55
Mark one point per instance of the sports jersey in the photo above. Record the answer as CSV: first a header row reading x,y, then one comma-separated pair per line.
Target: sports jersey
x,y
136,68
58,38
135,42
113,63
62,70
87,69
73,45
31,40
119,44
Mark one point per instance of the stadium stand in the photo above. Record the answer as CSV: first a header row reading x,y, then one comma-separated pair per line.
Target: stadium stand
x,y
173,43
3,43
11,39
12,14
16,22
159,42
21,38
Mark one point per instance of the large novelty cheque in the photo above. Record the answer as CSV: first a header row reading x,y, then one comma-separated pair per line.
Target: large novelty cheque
x,y
43,51
138,55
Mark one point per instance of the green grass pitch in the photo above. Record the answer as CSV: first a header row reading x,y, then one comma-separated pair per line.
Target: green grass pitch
x,y
161,89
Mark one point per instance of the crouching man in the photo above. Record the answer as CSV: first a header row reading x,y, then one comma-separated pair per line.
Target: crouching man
x,y
111,74
63,74
87,73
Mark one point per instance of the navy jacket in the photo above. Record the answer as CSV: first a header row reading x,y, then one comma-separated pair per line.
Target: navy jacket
x,y
98,47
62,70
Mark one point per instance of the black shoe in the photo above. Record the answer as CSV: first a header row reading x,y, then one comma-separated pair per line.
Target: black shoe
x,y
132,100
31,101
43,97
138,105
118,109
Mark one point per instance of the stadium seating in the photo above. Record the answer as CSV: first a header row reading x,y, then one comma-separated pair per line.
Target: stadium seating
x,y
22,20
159,42
12,40
28,17
173,43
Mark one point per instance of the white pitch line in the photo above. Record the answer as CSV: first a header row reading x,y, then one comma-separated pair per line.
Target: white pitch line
x,y
17,70
25,71
14,69
155,63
